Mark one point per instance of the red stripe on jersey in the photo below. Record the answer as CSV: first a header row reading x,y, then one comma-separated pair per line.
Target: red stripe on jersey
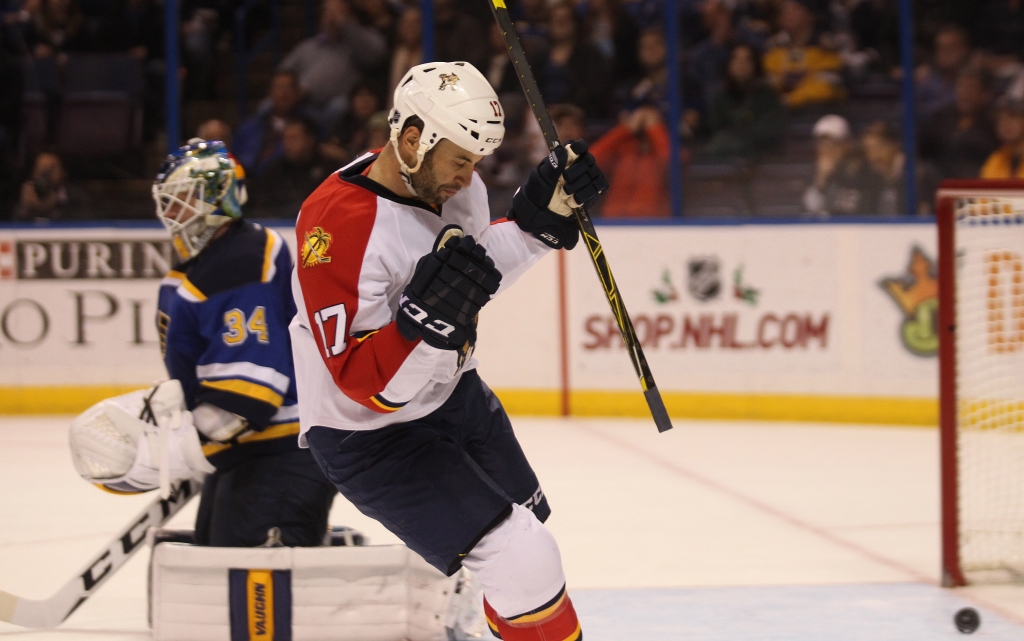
x,y
331,278
499,221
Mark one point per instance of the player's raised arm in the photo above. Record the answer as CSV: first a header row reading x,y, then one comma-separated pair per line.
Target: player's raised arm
x,y
542,210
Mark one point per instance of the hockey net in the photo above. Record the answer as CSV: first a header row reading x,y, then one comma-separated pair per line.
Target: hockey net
x,y
981,329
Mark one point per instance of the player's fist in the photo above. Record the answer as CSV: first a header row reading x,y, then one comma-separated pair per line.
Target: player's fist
x,y
449,287
569,177
581,182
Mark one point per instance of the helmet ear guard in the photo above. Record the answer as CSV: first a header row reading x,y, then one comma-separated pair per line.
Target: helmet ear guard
x,y
455,101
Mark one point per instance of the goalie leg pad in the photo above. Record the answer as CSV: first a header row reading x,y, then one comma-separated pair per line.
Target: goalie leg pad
x,y
384,593
520,569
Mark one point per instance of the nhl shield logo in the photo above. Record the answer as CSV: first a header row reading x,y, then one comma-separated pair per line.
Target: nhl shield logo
x,y
314,249
703,280
448,80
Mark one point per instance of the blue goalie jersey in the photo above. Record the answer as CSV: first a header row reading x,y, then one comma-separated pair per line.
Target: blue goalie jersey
x,y
223,324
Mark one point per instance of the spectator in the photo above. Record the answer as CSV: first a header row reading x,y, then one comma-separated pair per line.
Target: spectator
x,y
258,138
635,156
574,70
1008,160
936,79
290,178
653,86
710,57
408,50
350,136
883,149
214,129
959,138
614,33
47,194
331,63
458,35
746,116
58,28
843,183
803,71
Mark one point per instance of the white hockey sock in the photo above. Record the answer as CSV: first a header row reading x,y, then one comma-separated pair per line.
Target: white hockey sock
x,y
518,564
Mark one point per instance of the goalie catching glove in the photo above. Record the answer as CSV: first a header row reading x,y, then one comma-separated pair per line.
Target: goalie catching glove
x,y
447,290
568,178
138,441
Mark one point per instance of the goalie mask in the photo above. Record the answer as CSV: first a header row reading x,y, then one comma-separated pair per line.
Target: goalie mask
x,y
456,102
199,189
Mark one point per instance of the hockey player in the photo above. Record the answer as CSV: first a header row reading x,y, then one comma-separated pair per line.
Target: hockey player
x,y
222,319
397,258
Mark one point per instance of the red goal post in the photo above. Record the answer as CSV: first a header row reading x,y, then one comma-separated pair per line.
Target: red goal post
x,y
981,379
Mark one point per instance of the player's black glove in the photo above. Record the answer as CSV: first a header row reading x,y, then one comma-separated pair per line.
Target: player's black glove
x,y
543,206
447,290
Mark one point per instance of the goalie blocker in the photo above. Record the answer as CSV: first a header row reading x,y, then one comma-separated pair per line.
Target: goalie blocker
x,y
361,593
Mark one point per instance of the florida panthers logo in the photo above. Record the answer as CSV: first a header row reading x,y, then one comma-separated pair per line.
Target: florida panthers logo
x,y
314,250
448,80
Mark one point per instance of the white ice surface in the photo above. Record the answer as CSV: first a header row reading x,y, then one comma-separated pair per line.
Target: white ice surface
x,y
638,516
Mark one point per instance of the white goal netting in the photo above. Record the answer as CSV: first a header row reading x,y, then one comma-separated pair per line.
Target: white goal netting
x,y
989,243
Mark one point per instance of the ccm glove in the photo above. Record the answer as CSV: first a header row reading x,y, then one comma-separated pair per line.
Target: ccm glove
x,y
568,178
447,290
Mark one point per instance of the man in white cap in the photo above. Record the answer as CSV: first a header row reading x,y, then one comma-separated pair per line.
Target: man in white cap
x,y
843,182
397,257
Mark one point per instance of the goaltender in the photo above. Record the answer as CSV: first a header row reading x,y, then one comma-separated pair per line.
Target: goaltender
x,y
230,409
398,257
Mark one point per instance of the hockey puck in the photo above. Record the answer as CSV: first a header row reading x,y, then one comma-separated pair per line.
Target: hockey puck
x,y
967,620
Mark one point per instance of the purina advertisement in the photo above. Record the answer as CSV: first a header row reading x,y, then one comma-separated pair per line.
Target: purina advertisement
x,y
738,311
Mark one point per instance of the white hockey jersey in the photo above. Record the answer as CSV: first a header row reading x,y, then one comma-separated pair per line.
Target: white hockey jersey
x,y
359,244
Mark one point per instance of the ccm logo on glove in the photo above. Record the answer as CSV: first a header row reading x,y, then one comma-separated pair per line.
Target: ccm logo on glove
x,y
422,317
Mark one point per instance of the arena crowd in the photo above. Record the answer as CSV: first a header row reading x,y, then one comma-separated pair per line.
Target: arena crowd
x,y
790,107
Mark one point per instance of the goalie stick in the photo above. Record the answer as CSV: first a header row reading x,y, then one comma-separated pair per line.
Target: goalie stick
x,y
48,613
604,272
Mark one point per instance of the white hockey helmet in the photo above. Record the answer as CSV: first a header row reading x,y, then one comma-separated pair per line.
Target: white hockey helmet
x,y
455,101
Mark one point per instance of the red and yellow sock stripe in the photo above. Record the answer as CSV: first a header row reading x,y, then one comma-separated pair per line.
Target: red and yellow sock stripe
x,y
556,620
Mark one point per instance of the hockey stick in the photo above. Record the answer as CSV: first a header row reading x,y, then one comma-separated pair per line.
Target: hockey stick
x,y
48,613
604,272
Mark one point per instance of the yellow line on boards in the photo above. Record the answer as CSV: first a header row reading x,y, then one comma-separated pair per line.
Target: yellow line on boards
x,y
73,399
65,399
762,407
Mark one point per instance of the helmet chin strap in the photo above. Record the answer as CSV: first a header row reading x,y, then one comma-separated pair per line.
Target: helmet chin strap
x,y
405,170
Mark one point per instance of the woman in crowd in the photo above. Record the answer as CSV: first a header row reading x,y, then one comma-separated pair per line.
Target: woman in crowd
x,y
746,116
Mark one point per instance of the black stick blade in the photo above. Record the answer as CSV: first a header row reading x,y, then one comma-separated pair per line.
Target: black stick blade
x,y
658,410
